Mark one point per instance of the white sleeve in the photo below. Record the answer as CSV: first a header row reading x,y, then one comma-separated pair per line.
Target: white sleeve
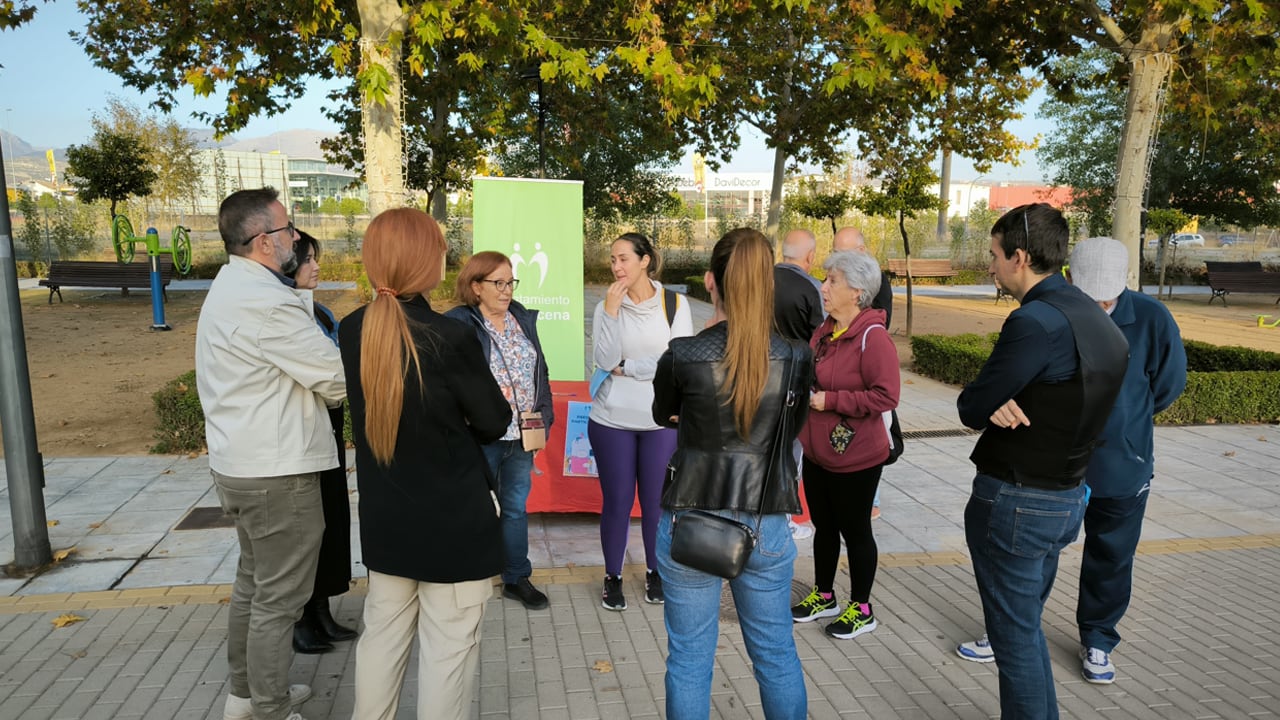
x,y
681,326
606,340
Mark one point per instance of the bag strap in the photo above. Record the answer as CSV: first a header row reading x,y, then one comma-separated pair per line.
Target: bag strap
x,y
670,302
780,435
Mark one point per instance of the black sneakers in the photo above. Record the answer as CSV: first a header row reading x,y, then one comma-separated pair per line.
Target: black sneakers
x,y
611,596
653,588
525,592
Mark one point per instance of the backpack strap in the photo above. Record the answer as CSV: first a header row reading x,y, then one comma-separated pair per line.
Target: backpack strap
x,y
670,301
869,328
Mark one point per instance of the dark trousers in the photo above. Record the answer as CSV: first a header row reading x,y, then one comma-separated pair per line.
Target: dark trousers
x,y
840,506
1112,527
333,571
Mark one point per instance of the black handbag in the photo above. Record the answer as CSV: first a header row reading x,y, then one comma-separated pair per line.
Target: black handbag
x,y
718,545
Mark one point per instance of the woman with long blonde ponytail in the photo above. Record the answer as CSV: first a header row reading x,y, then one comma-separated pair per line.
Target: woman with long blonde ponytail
x,y
735,393
422,404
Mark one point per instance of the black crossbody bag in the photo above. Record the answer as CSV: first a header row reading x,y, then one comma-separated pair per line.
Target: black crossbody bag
x,y
718,545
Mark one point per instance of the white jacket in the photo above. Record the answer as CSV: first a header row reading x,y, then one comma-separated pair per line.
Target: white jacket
x,y
266,373
639,334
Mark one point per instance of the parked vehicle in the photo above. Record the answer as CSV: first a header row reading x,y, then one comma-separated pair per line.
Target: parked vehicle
x,y
1230,239
1186,239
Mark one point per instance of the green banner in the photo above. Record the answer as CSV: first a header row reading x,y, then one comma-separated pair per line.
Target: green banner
x,y
538,224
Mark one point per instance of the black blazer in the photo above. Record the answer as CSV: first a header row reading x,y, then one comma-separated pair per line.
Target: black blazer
x,y
429,516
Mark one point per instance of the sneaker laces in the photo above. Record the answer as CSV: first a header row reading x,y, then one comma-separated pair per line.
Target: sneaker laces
x,y
851,614
814,600
1098,657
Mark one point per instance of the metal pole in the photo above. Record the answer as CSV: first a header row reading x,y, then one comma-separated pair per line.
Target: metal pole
x,y
23,466
542,126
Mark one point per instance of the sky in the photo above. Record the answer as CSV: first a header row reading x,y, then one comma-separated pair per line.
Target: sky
x,y
50,90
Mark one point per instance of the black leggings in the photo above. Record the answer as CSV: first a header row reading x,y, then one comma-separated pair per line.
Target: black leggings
x,y
840,506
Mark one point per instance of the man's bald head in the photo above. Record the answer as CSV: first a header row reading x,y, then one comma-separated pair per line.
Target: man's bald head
x,y
798,248
849,238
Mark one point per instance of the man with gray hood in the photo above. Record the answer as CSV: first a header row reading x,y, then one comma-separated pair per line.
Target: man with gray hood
x,y
1120,470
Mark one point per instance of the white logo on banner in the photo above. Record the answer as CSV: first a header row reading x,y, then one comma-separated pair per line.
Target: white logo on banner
x,y
539,258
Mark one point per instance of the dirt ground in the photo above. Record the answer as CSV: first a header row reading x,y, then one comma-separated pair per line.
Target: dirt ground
x,y
95,362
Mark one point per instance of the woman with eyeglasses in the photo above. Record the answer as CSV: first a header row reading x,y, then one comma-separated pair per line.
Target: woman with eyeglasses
x,y
846,440
316,630
631,329
423,405
508,334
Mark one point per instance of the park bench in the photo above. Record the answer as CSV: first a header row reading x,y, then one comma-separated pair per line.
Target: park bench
x,y
920,268
1241,277
80,273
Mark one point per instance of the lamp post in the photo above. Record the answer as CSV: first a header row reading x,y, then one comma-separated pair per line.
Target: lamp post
x,y
8,131
535,73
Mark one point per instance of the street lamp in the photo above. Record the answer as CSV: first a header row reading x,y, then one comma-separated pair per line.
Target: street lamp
x,y
8,155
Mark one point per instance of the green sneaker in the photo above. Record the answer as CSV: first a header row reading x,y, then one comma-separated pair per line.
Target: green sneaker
x,y
815,606
852,623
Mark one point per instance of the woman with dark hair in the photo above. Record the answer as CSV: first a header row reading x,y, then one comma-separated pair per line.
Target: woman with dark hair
x,y
846,440
316,630
423,404
735,393
632,327
508,334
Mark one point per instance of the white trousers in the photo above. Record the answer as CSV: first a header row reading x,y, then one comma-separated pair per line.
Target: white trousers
x,y
447,618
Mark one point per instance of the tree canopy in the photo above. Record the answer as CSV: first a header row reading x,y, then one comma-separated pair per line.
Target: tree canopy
x,y
113,167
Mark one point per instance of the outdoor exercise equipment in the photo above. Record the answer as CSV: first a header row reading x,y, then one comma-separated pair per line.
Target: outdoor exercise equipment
x,y
124,242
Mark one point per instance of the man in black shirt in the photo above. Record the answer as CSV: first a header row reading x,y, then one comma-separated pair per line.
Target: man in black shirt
x,y
797,301
1041,399
850,238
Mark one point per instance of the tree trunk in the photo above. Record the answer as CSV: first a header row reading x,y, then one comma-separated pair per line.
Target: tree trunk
x,y
775,192
439,126
944,191
1149,67
381,121
906,254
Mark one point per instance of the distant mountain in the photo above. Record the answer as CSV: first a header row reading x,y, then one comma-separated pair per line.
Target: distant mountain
x,y
16,147
294,143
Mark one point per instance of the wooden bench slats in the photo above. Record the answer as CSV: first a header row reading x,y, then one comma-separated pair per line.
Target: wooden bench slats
x,y
1246,276
920,267
86,273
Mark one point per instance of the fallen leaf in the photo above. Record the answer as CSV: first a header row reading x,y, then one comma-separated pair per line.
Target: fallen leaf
x,y
603,666
1261,439
224,600
167,472
1229,453
78,654
60,555
52,523
193,456
96,525
66,619
51,375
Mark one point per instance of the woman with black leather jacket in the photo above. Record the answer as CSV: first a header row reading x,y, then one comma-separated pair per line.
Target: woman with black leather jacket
x,y
726,390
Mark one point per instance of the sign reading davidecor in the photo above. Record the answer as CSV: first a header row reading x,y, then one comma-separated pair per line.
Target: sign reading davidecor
x,y
538,224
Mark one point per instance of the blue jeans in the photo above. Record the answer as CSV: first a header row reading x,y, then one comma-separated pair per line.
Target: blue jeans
x,y
512,465
1015,534
762,595
1112,527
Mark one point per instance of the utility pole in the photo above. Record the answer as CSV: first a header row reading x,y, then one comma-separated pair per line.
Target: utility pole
x,y
23,466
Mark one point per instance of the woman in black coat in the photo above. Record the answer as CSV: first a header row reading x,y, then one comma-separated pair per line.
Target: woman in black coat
x,y
316,630
422,403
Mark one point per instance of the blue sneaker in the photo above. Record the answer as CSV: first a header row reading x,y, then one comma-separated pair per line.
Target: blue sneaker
x,y
1096,667
978,651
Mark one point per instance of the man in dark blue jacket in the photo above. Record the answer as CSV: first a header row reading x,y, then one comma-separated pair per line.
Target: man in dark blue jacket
x,y
1120,470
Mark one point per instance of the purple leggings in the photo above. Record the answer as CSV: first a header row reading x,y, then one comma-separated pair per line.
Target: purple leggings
x,y
626,459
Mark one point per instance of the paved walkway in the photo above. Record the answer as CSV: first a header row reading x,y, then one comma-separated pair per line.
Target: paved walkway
x,y
1200,637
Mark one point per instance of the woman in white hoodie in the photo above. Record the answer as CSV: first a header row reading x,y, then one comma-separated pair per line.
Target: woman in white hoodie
x,y
632,327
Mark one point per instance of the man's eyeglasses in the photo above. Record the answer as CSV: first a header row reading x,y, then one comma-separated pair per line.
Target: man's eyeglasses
x,y
292,231
503,285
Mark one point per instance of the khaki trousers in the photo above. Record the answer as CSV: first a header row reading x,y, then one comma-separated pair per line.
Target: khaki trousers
x,y
447,619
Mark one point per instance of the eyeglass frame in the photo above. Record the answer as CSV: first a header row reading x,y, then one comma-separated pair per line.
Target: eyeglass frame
x,y
501,285
292,231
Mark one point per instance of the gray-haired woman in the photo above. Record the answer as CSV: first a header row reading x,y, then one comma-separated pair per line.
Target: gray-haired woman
x,y
845,441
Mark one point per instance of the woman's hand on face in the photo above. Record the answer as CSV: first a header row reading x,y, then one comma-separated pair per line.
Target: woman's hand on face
x,y
613,297
818,401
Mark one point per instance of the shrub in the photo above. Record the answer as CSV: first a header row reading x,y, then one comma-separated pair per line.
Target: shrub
x,y
1224,383
697,288
179,417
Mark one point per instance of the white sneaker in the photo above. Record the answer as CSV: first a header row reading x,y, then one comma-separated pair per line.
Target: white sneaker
x,y
977,650
1096,667
241,708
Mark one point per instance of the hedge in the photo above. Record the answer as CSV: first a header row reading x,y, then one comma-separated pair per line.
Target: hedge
x,y
1225,384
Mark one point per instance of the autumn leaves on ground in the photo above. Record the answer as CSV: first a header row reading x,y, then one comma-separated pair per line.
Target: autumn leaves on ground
x,y
95,361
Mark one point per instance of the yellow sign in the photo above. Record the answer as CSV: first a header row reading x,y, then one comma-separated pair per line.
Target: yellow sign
x,y
699,169
53,167
1191,227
